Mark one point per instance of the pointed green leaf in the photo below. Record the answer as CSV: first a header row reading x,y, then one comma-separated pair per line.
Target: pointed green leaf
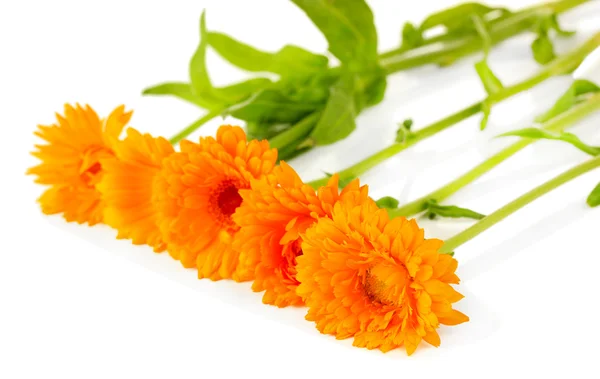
x,y
348,27
434,209
570,138
543,50
201,86
387,202
200,82
490,81
593,199
289,61
570,98
337,121
182,91
228,95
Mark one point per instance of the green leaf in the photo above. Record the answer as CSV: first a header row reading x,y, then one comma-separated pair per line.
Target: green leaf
x,y
404,133
200,81
593,199
387,202
456,17
228,95
373,91
434,209
570,98
535,133
337,121
182,91
289,61
411,36
486,109
348,27
543,50
490,82
271,106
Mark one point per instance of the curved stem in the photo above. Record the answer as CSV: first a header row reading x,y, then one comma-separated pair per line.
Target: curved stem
x,y
559,66
196,125
517,204
558,123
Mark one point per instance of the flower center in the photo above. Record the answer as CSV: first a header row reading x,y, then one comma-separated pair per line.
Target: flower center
x,y
229,199
385,283
90,169
225,199
290,252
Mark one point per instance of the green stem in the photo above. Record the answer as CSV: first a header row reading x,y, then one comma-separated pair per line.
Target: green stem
x,y
456,47
197,124
451,244
297,132
556,124
382,155
559,66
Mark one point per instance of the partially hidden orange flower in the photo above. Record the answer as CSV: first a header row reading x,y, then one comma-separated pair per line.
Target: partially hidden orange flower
x,y
127,187
274,213
377,280
199,192
71,161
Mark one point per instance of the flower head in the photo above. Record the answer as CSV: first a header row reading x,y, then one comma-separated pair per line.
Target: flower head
x,y
377,280
199,192
71,161
127,187
273,215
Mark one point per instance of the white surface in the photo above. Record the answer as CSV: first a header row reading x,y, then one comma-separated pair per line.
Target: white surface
x,y
76,303
589,68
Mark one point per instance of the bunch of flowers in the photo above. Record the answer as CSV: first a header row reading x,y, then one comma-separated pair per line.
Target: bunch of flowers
x,y
229,207
223,206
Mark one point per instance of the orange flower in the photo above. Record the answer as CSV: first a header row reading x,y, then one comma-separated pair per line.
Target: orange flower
x,y
272,216
127,187
377,280
71,161
199,192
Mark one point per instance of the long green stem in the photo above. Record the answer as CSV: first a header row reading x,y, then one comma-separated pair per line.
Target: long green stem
x,y
297,132
559,66
558,123
517,204
194,126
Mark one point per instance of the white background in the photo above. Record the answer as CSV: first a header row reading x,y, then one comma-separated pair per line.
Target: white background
x,y
76,303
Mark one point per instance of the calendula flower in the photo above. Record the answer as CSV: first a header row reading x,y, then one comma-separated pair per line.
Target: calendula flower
x,y
127,187
274,212
199,192
71,161
377,280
